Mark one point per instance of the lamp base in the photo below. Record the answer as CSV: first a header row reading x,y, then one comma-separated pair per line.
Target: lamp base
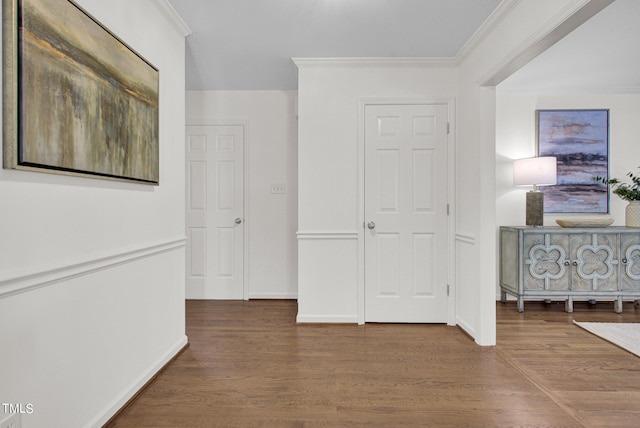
x,y
535,209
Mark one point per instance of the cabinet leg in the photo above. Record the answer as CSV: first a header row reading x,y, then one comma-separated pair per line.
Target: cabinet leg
x,y
617,306
637,303
520,304
568,305
503,296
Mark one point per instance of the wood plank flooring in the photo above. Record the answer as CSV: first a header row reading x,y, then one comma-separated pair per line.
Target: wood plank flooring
x,y
250,365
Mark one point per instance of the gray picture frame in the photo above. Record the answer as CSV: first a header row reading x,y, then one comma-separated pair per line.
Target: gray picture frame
x,y
77,100
579,139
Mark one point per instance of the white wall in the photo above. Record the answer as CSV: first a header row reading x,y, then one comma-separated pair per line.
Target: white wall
x,y
330,224
526,29
328,166
92,271
271,219
516,133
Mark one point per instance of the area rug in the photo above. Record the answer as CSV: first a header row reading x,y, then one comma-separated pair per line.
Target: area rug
x,y
625,335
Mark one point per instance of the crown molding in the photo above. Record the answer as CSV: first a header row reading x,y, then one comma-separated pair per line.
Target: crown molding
x,y
488,26
407,62
577,90
564,22
172,17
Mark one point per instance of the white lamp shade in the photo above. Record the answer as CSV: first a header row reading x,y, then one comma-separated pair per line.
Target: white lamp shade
x,y
539,171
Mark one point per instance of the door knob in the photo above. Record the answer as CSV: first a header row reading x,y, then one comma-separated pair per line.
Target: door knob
x,y
238,220
371,225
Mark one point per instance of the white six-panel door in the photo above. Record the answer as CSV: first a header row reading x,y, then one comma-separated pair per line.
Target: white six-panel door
x,y
406,213
215,212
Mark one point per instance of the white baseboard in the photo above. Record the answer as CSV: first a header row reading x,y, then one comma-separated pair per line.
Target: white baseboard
x,y
275,295
342,319
466,327
106,414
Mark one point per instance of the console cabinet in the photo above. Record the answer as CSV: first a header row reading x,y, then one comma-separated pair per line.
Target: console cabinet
x,y
555,263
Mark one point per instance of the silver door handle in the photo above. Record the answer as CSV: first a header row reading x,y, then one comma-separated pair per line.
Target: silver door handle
x,y
371,225
238,220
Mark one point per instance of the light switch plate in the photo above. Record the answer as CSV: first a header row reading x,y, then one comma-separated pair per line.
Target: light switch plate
x,y
279,188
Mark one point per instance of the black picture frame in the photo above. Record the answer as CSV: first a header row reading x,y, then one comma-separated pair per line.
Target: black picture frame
x,y
77,99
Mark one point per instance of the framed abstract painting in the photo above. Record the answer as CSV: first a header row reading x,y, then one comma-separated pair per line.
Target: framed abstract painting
x,y
77,100
579,139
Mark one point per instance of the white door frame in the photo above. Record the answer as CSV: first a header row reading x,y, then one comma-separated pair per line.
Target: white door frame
x,y
246,217
450,103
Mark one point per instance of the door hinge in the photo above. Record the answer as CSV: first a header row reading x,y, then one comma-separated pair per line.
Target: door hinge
x,y
447,289
447,209
448,128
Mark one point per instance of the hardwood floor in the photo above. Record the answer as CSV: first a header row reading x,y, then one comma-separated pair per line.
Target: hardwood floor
x,y
250,365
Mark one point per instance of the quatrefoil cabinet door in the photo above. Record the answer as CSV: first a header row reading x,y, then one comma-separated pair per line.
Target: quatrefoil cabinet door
x,y
594,262
630,262
546,262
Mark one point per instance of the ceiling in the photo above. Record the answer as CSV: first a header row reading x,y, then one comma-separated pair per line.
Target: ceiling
x,y
248,44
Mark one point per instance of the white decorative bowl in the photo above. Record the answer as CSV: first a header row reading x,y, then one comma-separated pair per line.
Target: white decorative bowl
x,y
585,222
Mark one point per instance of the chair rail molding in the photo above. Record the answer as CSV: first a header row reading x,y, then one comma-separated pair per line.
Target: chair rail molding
x,y
467,238
327,234
42,276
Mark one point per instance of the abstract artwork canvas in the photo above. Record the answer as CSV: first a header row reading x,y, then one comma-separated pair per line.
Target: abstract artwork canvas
x,y
77,99
579,139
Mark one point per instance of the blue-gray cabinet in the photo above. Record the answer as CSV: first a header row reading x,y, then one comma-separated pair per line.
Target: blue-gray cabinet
x,y
555,263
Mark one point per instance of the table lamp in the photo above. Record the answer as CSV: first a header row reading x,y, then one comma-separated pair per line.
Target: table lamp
x,y
537,171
